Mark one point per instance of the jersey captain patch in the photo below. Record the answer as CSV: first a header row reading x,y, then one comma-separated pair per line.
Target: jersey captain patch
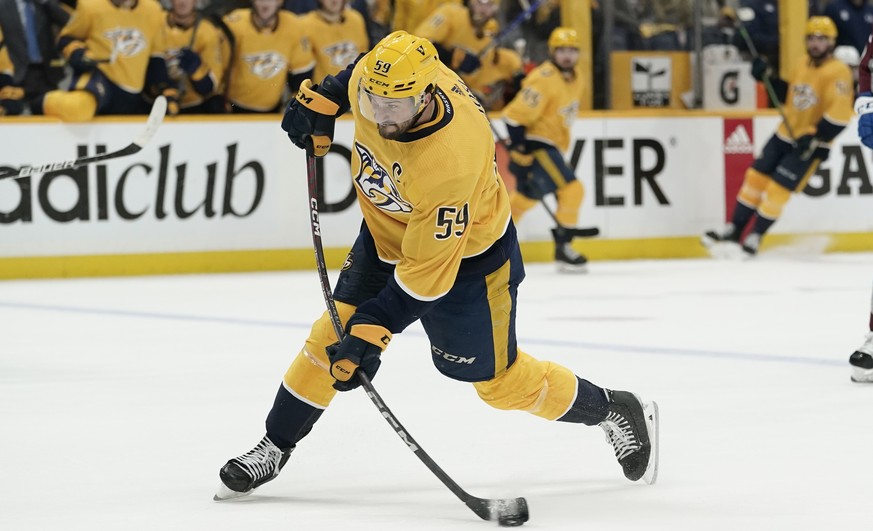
x,y
377,184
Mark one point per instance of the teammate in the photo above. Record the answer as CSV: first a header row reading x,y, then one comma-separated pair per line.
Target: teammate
x,y
861,361
437,245
337,34
270,52
192,50
461,34
818,105
114,51
11,95
408,14
538,120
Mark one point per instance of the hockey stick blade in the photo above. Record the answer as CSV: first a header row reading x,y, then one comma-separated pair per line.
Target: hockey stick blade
x,y
508,512
583,232
156,117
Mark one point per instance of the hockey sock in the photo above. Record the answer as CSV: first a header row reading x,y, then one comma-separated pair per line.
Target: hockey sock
x,y
762,224
569,200
590,406
290,419
741,217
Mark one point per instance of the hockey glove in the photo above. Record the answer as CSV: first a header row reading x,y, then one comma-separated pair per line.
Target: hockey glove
x,y
809,147
11,97
864,110
464,62
360,349
520,164
81,61
760,69
312,114
172,95
189,61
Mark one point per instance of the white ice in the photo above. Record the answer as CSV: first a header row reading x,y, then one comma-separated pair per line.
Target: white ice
x,y
121,398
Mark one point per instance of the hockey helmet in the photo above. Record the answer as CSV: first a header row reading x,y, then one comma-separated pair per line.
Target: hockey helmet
x,y
396,75
821,26
563,37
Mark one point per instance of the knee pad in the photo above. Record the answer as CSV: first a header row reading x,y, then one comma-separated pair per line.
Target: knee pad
x,y
75,106
775,197
569,200
542,388
753,187
308,376
519,204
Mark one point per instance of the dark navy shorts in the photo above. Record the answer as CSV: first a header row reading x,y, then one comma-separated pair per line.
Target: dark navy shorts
x,y
471,329
783,165
548,173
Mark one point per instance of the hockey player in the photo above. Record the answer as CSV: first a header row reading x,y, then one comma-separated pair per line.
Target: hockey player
x,y
11,95
192,50
437,245
861,360
408,14
270,53
337,34
538,120
818,105
112,48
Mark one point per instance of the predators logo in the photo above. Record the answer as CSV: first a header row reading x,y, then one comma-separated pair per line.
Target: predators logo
x,y
341,53
375,183
266,65
569,113
803,97
126,42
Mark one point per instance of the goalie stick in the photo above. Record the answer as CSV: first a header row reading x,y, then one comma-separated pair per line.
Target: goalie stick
x,y
573,232
156,116
506,511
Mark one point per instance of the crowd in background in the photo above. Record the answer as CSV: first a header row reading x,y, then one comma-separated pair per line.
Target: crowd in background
x,y
216,56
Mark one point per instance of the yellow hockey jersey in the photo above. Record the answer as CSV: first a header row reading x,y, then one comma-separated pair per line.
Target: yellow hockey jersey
x,y
814,92
451,27
125,38
207,44
434,196
546,105
263,59
408,14
335,45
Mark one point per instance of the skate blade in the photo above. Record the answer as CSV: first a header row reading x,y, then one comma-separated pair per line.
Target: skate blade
x,y
650,410
860,375
223,493
727,251
572,269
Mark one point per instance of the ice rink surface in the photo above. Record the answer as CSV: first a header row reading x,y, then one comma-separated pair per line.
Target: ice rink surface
x,y
121,398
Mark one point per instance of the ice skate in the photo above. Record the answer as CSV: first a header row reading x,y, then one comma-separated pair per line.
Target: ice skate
x,y
722,245
750,244
241,475
862,362
631,428
567,259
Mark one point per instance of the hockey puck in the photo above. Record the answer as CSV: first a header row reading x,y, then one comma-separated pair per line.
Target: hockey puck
x,y
510,520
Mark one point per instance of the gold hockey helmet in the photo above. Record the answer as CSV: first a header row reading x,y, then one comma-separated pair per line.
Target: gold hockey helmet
x,y
821,26
563,37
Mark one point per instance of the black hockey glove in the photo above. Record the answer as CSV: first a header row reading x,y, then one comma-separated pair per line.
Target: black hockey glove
x,y
81,61
465,62
312,114
760,69
189,61
809,147
11,97
360,349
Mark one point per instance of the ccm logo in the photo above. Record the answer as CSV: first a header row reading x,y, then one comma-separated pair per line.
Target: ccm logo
x,y
451,357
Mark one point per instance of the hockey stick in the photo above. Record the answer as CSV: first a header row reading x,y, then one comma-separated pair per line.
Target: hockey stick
x,y
156,116
746,15
506,511
572,232
517,21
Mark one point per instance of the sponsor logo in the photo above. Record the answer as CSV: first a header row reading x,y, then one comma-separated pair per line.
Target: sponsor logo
x,y
451,357
739,141
651,80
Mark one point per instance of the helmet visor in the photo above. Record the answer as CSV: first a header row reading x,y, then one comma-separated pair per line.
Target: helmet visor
x,y
383,110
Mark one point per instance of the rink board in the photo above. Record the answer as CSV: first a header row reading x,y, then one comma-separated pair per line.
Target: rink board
x,y
206,195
